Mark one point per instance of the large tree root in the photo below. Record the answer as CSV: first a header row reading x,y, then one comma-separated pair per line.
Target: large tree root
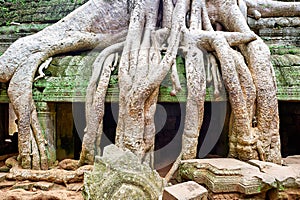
x,y
268,8
20,93
60,176
196,85
138,94
103,66
186,24
20,62
257,55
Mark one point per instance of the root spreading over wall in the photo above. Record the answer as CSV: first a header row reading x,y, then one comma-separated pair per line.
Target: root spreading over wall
x,y
142,39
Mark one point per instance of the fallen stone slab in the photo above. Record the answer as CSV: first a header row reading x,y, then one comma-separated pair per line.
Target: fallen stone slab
x,y
227,175
227,178
286,176
292,160
185,191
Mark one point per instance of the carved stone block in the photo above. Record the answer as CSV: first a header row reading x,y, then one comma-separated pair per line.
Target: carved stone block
x,y
286,176
188,191
227,175
119,174
228,178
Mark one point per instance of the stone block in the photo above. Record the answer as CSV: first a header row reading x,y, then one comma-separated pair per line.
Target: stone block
x,y
185,191
227,175
240,180
290,160
286,176
119,174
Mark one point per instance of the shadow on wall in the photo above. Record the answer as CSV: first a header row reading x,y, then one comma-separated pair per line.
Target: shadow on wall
x,y
169,121
8,143
289,114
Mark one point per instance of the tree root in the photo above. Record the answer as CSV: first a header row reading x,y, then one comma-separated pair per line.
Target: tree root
x,y
196,85
251,89
269,8
20,61
103,66
55,175
174,168
257,55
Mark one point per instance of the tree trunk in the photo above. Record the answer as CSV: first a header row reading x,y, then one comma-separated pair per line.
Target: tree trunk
x,y
153,28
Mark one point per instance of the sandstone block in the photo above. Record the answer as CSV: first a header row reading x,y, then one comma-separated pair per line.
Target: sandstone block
x,y
185,191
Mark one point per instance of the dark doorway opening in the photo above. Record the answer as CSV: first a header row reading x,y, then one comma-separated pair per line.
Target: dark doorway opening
x,y
289,115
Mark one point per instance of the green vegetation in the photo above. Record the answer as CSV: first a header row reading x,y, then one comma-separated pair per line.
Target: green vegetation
x,y
16,1
281,50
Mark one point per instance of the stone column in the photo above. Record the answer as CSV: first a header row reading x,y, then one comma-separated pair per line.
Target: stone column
x,y
47,118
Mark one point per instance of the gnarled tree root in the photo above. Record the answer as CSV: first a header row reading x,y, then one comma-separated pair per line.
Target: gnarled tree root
x,y
55,175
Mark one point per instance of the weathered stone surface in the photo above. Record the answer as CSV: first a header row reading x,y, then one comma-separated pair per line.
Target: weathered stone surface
x,y
228,178
286,176
273,22
23,11
185,191
292,160
227,175
284,194
119,175
59,85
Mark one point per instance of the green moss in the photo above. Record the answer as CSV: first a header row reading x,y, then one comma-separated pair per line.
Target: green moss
x,y
281,187
282,50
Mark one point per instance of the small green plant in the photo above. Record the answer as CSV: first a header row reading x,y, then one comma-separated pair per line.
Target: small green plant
x,y
281,188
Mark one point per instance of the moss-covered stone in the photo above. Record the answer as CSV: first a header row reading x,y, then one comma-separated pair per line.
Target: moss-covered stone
x,y
119,174
68,75
25,11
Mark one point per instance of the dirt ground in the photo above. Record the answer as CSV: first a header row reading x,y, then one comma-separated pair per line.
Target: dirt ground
x,y
41,190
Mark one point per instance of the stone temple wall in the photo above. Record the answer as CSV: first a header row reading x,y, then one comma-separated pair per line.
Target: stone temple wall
x,y
19,18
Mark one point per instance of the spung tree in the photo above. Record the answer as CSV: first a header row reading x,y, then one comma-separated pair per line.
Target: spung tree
x,y
142,38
